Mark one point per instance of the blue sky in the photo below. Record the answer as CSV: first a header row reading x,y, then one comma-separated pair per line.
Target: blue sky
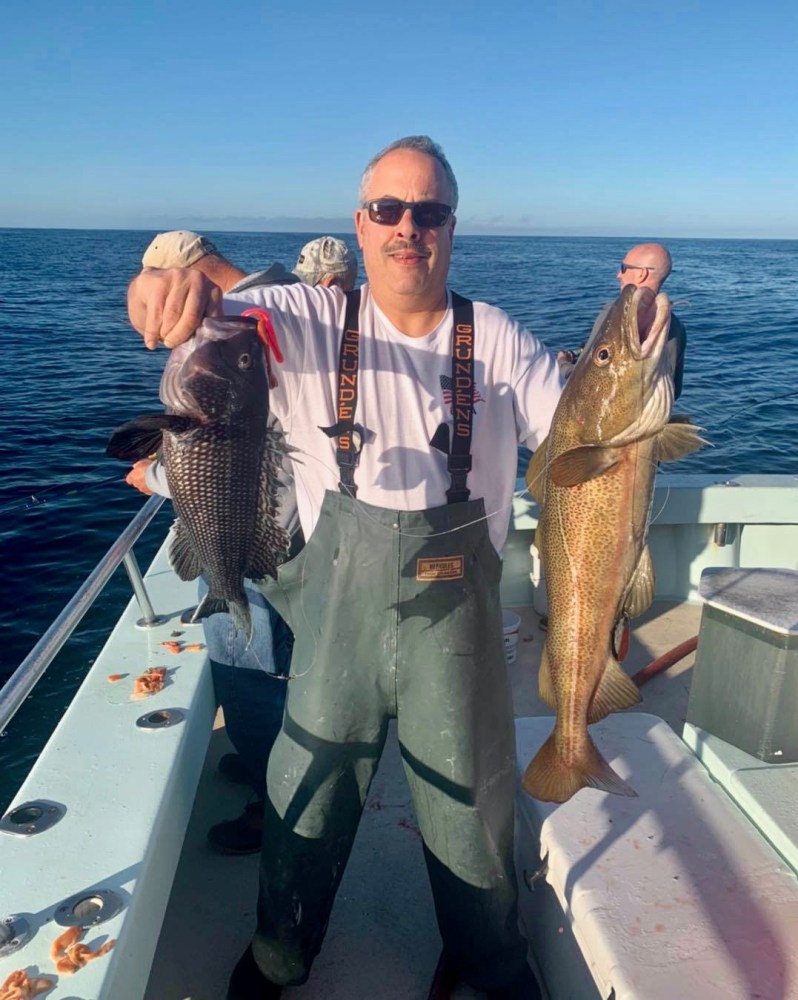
x,y
571,117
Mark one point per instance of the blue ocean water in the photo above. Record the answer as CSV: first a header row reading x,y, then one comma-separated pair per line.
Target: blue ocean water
x,y
71,369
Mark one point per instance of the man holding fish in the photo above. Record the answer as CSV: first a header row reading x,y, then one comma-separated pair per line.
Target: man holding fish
x,y
247,674
403,404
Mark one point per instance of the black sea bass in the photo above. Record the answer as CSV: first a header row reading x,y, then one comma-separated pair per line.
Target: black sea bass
x,y
222,462
594,478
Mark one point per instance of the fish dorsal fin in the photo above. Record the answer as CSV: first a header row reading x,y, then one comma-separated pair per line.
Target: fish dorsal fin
x,y
182,554
272,541
545,684
640,595
143,436
535,473
582,464
677,439
616,690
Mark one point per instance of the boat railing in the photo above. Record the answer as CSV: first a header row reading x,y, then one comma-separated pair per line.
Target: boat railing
x,y
35,664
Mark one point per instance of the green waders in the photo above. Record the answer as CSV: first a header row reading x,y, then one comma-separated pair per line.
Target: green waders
x,y
395,614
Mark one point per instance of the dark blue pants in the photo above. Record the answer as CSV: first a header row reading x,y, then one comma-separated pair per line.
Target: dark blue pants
x,y
253,703
248,679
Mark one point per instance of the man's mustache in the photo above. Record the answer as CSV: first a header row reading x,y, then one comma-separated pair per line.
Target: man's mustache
x,y
400,246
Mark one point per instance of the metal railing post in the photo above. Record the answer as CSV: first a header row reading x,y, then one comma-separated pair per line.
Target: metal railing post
x,y
25,677
150,619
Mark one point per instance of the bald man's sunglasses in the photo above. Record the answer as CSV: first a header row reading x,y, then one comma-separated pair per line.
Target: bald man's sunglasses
x,y
633,267
426,214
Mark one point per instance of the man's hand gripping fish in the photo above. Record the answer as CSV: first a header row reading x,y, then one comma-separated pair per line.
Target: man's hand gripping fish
x,y
594,478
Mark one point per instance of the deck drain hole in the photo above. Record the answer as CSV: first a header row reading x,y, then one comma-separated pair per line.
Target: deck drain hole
x,y
160,719
25,814
85,909
32,817
15,933
88,908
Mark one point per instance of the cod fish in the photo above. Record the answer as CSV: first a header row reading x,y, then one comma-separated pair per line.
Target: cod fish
x,y
223,463
594,478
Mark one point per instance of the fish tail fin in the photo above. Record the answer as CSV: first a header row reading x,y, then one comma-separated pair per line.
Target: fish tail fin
x,y
209,606
237,609
551,779
242,618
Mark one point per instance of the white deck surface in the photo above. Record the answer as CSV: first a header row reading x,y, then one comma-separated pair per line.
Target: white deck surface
x,y
144,802
670,894
382,942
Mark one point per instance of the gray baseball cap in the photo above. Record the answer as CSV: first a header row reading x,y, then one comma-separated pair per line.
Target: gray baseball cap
x,y
325,255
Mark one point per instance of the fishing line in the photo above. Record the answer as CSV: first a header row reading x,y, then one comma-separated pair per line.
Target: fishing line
x,y
756,402
58,491
409,534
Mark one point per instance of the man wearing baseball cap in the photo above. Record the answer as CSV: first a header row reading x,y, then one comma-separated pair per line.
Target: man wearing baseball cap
x,y
324,261
178,248
327,261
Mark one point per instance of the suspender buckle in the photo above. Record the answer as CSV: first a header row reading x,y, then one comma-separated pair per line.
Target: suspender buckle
x,y
348,458
459,464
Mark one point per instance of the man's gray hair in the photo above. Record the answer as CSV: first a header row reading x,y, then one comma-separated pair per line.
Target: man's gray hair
x,y
420,143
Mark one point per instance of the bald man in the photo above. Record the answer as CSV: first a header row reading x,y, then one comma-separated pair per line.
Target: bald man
x,y
646,265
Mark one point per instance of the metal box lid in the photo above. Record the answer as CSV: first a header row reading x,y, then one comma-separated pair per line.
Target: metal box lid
x,y
766,597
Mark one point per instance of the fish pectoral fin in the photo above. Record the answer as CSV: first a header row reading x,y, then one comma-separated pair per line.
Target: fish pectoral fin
x,y
616,690
535,473
545,684
550,778
640,595
677,439
579,465
143,436
182,555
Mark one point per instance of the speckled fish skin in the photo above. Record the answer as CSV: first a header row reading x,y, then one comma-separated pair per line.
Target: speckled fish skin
x,y
222,463
595,478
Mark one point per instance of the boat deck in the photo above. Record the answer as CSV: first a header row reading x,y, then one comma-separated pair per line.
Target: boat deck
x,y
382,939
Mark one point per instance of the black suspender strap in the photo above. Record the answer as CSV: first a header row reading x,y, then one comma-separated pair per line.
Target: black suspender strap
x,y
459,461
349,434
457,445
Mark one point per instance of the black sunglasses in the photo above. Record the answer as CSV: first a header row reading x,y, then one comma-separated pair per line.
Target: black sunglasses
x,y
634,267
426,214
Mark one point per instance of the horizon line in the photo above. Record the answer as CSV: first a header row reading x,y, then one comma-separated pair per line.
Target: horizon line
x,y
483,231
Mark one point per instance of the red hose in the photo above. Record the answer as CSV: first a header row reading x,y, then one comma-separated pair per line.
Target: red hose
x,y
666,660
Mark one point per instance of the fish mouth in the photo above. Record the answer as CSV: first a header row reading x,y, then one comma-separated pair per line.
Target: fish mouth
x,y
649,324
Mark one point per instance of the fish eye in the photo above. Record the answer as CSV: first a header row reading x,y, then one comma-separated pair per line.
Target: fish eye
x,y
602,355
244,361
